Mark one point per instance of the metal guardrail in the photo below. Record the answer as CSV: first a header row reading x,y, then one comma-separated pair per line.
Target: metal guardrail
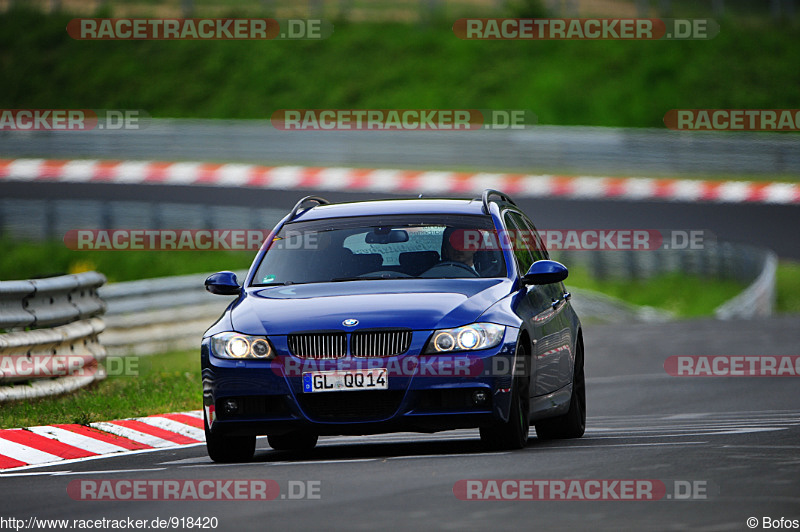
x,y
569,149
158,315
52,301
752,266
758,299
50,345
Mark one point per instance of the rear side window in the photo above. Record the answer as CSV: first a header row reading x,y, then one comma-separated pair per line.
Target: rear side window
x,y
538,251
516,227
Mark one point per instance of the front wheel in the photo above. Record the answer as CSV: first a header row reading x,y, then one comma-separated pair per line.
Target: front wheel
x,y
573,423
227,449
513,434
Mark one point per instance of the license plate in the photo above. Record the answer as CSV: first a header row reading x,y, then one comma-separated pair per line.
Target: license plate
x,y
345,380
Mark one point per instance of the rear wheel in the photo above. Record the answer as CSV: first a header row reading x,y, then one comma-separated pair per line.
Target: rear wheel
x,y
293,441
513,434
227,449
573,423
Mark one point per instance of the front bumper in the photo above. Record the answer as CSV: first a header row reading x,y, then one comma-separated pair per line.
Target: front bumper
x,y
426,393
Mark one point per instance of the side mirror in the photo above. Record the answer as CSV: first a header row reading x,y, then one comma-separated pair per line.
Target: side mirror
x,y
223,284
545,272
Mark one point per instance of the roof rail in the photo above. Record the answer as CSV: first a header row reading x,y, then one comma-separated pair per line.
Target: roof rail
x,y
489,192
299,205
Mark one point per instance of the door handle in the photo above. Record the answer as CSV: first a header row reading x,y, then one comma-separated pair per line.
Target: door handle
x,y
567,296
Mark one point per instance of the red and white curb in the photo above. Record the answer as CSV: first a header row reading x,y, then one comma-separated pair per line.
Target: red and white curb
x,y
395,181
55,443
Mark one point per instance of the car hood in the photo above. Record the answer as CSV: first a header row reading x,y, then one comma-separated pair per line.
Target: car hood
x,y
416,304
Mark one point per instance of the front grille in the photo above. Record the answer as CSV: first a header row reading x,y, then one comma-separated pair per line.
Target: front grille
x,y
363,405
385,343
318,345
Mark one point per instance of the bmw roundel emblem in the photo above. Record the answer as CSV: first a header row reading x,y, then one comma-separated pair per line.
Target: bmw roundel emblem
x,y
350,322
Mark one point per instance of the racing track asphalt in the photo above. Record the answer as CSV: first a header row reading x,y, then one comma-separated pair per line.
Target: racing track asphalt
x,y
739,436
765,225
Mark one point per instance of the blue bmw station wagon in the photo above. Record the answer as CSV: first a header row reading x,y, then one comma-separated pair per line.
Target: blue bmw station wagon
x,y
395,315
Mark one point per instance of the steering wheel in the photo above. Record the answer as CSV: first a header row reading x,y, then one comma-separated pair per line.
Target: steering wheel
x,y
455,264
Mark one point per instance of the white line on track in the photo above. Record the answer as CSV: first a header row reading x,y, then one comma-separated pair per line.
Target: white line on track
x,y
70,472
312,462
455,455
109,472
595,446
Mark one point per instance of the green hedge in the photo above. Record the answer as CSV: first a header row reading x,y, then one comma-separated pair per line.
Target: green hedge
x,y
371,65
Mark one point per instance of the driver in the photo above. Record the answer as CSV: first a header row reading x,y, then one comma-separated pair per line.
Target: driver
x,y
456,253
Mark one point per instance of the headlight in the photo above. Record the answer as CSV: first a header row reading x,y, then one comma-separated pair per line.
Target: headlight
x,y
238,346
467,338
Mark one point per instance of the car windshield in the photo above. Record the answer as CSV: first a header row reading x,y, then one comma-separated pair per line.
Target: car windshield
x,y
387,247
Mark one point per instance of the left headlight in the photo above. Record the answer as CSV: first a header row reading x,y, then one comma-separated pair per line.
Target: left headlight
x,y
239,346
467,338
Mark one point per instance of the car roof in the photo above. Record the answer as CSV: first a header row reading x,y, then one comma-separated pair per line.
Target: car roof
x,y
393,206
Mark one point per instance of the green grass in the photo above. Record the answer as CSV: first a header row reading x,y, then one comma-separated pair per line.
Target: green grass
x,y
165,383
25,260
377,65
787,287
684,295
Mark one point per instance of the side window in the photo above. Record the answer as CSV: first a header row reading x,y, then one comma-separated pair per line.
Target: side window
x,y
538,249
523,255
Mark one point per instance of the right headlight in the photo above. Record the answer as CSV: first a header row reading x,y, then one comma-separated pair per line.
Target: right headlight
x,y
467,338
241,346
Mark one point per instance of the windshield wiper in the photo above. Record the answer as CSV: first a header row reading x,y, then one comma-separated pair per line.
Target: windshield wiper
x,y
285,283
343,279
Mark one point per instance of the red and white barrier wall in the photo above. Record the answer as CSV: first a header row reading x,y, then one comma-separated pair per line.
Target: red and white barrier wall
x,y
396,181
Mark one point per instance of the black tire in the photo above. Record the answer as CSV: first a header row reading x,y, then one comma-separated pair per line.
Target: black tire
x,y
293,441
513,434
227,449
573,423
